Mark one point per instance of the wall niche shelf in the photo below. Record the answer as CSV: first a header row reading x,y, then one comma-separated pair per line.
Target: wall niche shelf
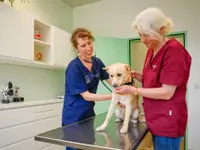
x,y
43,31
42,42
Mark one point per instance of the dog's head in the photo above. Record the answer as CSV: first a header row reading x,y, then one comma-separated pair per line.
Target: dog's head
x,y
119,74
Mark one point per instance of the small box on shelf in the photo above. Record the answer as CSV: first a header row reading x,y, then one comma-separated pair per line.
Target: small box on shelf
x,y
42,32
42,54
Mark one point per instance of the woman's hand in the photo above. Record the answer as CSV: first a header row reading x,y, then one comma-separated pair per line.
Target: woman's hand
x,y
125,89
137,75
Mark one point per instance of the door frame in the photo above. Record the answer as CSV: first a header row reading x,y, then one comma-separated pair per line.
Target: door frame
x,y
183,33
180,33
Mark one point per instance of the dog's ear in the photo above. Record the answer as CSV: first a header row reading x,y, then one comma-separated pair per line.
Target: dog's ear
x,y
128,68
105,68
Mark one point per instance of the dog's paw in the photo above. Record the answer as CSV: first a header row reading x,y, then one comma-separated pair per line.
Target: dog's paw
x,y
101,128
142,119
134,121
124,130
118,120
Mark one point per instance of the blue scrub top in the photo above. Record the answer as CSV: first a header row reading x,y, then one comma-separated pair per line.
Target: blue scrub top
x,y
79,79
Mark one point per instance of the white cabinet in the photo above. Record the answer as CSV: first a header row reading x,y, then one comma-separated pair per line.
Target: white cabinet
x,y
19,125
16,33
63,52
27,41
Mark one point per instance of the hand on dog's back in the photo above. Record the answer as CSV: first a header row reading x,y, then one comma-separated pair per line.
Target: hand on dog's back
x,y
137,75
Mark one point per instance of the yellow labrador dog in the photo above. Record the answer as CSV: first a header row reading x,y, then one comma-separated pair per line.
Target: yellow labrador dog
x,y
120,74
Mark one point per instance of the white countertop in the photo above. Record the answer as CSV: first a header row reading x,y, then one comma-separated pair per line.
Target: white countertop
x,y
28,103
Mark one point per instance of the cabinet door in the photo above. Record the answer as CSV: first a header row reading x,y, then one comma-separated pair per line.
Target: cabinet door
x,y
63,52
16,33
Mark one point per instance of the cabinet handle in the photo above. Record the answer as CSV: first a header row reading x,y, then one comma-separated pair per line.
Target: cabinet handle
x,y
43,111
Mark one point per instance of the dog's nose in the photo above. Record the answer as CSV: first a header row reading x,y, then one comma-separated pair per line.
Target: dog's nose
x,y
114,85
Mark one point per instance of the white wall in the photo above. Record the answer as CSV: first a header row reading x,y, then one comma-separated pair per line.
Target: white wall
x,y
54,12
35,83
112,18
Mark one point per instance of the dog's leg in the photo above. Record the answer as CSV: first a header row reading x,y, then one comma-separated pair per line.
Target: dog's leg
x,y
141,117
109,142
134,116
109,114
118,113
127,142
128,111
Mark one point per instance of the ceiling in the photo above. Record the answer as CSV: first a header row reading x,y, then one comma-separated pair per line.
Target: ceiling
x,y
75,3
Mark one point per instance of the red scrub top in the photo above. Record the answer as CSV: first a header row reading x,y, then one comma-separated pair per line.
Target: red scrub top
x,y
171,65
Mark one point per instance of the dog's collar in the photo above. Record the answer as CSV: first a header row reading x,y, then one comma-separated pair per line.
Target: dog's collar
x,y
130,83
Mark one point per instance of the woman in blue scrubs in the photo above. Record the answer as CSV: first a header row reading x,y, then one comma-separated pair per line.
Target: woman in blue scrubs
x,y
82,77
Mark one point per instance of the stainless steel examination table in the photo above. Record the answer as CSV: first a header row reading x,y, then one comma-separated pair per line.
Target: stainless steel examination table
x,y
82,135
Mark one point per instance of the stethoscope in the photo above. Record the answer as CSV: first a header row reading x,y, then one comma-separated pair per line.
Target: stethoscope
x,y
95,53
88,78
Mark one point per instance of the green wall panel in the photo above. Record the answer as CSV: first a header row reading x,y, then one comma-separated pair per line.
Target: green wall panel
x,y
109,50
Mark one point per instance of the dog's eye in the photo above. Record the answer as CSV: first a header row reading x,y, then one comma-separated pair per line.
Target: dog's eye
x,y
119,74
111,76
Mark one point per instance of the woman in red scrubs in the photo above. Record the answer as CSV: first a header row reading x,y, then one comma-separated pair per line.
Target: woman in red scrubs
x,y
164,80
